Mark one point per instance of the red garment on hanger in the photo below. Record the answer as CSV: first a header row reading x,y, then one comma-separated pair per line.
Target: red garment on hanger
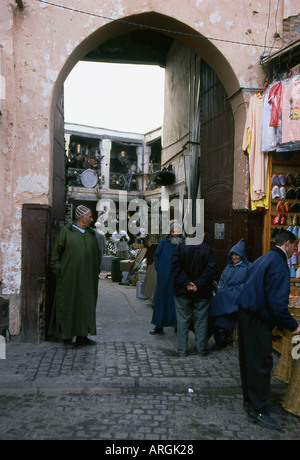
x,y
274,100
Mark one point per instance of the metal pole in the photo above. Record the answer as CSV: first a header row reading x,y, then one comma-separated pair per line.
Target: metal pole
x,y
20,3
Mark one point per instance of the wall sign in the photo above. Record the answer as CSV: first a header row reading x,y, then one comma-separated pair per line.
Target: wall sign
x,y
219,231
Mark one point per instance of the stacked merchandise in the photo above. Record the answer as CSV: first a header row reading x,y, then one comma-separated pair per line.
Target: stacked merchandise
x,y
286,196
272,125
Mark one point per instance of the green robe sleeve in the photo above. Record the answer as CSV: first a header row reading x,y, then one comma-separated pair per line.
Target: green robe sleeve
x,y
58,250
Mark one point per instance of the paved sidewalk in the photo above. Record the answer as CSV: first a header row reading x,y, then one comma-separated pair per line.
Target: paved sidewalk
x,y
130,386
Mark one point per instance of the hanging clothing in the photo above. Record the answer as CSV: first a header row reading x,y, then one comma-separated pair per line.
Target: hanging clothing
x,y
274,99
264,202
258,160
269,133
291,110
280,117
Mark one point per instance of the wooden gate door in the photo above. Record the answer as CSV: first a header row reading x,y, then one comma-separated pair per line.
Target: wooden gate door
x,y
225,227
35,255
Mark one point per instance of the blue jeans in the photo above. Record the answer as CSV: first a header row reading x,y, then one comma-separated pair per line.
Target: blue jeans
x,y
186,311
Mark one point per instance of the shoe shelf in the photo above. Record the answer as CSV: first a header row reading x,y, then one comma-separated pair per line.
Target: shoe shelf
x,y
285,174
285,227
276,200
292,215
287,221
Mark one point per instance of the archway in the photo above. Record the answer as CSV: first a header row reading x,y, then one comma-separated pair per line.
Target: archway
x,y
215,65
154,22
142,38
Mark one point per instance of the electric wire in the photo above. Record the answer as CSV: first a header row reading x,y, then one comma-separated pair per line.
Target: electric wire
x,y
267,29
275,35
250,29
144,26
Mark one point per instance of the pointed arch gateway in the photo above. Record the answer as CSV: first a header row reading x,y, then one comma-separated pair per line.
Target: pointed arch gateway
x,y
159,24
157,34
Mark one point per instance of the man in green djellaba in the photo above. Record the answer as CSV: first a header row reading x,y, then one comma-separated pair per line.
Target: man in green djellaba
x,y
75,262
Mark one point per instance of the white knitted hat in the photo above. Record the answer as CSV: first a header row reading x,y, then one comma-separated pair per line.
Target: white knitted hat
x,y
81,211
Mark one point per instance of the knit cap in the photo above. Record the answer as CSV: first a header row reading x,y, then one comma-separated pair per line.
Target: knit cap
x,y
81,211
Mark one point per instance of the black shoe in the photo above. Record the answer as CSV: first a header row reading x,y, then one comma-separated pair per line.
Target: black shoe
x,y
247,408
218,346
69,344
157,330
183,353
84,341
202,353
264,420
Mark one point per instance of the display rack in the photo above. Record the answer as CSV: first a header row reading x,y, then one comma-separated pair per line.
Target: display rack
x,y
280,166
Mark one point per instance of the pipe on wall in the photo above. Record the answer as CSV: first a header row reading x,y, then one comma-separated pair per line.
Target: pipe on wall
x,y
20,3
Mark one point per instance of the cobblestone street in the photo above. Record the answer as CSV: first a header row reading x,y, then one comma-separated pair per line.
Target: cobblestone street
x,y
130,386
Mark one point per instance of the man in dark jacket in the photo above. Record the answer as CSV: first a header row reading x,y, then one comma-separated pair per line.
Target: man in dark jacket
x,y
193,270
263,303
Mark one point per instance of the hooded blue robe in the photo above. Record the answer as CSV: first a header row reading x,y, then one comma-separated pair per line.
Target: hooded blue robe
x,y
164,313
223,306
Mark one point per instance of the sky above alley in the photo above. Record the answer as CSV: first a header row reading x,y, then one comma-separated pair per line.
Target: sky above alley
x,y
115,96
